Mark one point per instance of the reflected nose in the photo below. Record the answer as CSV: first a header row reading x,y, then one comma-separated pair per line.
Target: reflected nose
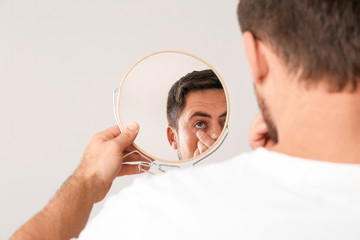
x,y
215,131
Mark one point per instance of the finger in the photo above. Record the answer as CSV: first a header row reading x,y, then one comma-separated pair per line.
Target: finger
x,y
258,131
127,137
131,154
256,144
205,138
269,143
259,124
114,130
256,136
196,153
130,149
107,134
202,147
131,170
258,118
135,156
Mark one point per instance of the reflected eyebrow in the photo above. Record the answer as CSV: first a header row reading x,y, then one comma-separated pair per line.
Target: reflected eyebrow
x,y
223,115
199,114
202,114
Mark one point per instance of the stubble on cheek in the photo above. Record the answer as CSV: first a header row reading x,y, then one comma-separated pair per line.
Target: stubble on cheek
x,y
187,143
267,117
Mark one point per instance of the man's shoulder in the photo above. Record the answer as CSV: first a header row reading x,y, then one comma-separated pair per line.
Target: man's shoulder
x,y
191,181
199,179
260,188
254,165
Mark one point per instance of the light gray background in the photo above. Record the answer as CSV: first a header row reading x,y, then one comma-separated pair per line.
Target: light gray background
x,y
59,64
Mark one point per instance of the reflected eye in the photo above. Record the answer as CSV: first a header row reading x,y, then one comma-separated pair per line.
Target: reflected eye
x,y
200,125
222,123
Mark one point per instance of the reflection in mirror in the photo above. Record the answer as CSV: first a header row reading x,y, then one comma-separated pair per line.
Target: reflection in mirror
x,y
196,113
180,103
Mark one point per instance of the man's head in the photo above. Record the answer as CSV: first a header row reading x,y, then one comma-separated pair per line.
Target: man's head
x,y
308,44
195,102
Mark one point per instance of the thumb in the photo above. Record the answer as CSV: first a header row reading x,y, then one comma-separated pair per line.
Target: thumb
x,y
127,137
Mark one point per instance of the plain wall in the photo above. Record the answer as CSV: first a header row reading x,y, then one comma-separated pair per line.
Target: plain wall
x,y
59,64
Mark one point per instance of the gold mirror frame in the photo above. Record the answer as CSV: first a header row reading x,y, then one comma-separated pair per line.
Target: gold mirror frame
x,y
196,159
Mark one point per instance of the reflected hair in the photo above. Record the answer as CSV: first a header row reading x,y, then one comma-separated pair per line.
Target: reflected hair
x,y
194,81
315,39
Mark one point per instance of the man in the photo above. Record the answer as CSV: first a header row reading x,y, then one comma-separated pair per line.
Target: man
x,y
304,61
196,113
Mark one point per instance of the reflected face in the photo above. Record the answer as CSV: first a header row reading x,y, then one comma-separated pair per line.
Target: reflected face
x,y
200,123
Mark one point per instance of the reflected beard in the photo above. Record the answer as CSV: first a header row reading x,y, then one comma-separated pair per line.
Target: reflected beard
x,y
179,155
178,152
267,117
178,146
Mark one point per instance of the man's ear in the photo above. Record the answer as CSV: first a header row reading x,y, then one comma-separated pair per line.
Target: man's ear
x,y
172,137
256,57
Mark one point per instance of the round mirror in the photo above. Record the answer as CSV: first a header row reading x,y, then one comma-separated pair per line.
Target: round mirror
x,y
180,102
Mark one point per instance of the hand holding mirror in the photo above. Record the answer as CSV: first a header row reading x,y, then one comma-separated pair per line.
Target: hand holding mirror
x,y
181,105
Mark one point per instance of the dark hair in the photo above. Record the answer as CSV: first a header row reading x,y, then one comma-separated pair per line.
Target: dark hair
x,y
319,37
194,81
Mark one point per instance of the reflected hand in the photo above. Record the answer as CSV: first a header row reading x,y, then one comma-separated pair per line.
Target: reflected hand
x,y
259,134
205,142
103,158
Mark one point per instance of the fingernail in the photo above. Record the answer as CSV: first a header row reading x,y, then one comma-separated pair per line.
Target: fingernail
x,y
199,133
133,126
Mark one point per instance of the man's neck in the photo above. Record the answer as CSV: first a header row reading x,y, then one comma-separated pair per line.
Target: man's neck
x,y
321,126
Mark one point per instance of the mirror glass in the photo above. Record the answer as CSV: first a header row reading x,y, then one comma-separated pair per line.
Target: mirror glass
x,y
180,103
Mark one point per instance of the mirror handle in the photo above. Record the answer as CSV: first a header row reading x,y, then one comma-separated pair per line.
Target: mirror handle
x,y
149,164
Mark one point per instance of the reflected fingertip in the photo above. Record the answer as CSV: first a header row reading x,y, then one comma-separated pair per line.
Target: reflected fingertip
x,y
199,133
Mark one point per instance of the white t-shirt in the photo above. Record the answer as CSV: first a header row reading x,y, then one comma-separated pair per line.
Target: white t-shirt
x,y
257,195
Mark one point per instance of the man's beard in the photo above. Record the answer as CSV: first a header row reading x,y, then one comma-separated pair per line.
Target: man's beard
x,y
267,117
179,154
